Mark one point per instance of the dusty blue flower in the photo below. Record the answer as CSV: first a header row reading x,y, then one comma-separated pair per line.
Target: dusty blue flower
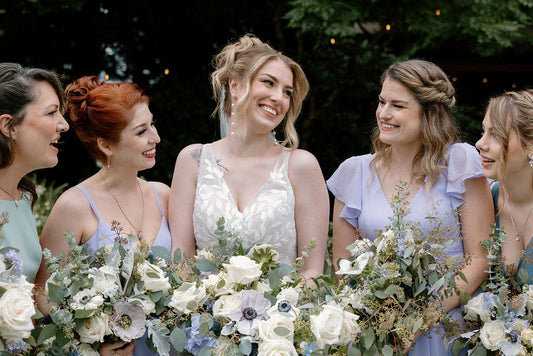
x,y
195,343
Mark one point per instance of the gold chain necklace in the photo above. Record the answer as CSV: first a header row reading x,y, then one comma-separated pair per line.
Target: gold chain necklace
x,y
139,230
517,238
11,195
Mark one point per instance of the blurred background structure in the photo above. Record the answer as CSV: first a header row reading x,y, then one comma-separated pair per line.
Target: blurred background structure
x,y
167,47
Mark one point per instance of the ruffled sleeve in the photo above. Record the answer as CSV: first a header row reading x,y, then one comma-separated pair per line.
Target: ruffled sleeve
x,y
347,183
464,162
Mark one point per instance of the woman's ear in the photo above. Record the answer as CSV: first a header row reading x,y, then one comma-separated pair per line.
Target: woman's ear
x,y
6,126
104,146
233,87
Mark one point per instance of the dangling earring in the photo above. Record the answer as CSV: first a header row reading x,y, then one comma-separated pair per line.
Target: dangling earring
x,y
108,164
531,161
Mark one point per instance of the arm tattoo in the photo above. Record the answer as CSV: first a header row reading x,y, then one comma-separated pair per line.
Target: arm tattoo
x,y
196,154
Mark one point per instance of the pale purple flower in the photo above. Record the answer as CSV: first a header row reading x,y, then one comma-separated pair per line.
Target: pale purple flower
x,y
14,262
252,309
16,347
128,321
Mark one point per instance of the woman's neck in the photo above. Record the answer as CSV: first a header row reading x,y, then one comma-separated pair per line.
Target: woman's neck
x,y
519,187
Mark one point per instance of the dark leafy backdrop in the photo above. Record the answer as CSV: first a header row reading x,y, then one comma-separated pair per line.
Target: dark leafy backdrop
x,y
343,46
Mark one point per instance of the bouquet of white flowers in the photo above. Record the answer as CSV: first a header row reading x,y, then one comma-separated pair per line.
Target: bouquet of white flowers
x,y
16,301
118,292
498,320
231,301
396,282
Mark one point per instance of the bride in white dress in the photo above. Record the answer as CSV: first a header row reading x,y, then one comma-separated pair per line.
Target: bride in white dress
x,y
268,191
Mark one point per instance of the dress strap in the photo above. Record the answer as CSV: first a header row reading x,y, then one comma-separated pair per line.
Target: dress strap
x,y
91,202
157,198
282,163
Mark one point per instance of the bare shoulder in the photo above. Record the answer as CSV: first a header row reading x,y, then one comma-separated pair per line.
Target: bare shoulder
x,y
162,189
190,153
72,201
303,162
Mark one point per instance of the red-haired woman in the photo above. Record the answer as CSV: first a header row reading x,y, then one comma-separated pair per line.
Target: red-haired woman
x,y
115,124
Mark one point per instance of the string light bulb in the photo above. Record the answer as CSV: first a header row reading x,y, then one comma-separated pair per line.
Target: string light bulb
x,y
387,27
485,80
167,71
332,41
106,76
437,12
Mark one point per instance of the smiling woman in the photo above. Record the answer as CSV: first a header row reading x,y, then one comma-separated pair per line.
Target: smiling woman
x,y
267,190
115,124
31,123
416,144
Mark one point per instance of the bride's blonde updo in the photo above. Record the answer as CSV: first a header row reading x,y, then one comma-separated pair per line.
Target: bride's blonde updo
x,y
98,109
242,61
435,93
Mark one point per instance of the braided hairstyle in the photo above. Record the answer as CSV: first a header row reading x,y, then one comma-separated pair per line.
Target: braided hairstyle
x,y
435,93
98,109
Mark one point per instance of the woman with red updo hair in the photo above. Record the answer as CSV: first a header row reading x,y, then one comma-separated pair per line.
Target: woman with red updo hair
x,y
115,124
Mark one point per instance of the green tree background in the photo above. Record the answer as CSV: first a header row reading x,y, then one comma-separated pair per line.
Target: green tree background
x,y
343,46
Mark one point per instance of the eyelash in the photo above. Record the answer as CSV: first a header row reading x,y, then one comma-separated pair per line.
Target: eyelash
x,y
271,83
144,130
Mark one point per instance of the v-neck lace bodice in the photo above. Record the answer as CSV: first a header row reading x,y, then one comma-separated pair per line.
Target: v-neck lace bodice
x,y
267,218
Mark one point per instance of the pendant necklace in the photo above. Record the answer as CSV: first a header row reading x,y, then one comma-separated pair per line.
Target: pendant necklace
x,y
139,230
407,182
517,238
12,196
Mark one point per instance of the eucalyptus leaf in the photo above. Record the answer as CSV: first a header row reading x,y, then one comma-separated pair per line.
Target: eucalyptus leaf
x,y
161,252
205,265
245,347
178,339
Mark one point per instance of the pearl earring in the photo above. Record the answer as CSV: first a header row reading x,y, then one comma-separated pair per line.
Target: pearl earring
x,y
531,161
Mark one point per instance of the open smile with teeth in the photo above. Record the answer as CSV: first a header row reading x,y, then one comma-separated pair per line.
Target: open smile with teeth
x,y
388,126
150,152
269,110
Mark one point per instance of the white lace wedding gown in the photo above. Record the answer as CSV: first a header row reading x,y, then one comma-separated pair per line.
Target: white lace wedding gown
x,y
267,219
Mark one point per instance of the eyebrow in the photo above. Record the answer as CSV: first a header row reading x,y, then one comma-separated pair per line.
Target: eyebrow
x,y
395,100
275,79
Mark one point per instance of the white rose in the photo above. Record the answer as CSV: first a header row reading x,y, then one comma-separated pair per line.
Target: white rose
x,y
327,325
86,350
278,347
243,270
267,328
187,298
527,337
476,307
350,328
153,278
492,334
355,267
86,299
529,299
213,284
94,329
225,304
16,310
